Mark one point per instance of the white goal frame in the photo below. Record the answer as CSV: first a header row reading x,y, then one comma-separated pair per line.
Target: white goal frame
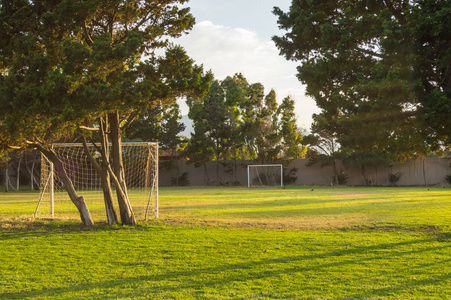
x,y
49,176
249,180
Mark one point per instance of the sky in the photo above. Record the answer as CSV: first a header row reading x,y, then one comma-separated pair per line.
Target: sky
x,y
234,36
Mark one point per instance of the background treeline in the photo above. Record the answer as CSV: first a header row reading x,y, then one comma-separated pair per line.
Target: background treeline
x,y
234,120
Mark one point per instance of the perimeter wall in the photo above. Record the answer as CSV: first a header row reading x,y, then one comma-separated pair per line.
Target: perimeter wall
x,y
430,171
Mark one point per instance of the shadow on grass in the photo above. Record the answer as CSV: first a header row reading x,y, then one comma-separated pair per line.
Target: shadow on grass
x,y
18,228
224,276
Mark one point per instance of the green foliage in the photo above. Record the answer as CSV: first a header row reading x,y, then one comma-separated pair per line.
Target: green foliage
x,y
377,71
393,178
341,178
289,176
181,180
292,136
236,120
211,121
159,124
68,67
86,59
324,149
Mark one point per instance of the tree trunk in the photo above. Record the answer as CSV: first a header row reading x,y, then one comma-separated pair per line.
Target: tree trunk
x,y
18,172
31,173
108,198
206,177
105,181
335,172
126,212
8,183
363,175
218,181
376,181
34,182
78,201
415,171
234,180
6,180
424,173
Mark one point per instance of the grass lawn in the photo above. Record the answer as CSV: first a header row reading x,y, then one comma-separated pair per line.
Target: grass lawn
x,y
220,243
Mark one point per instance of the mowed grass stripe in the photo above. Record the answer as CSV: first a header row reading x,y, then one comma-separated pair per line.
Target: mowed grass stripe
x,y
291,208
301,208
62,261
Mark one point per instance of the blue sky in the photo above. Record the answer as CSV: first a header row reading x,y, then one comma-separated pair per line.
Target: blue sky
x,y
232,36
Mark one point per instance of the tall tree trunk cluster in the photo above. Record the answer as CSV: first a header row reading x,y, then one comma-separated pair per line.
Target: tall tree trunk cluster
x,y
111,168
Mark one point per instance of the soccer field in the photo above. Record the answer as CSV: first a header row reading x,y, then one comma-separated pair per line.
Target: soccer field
x,y
236,243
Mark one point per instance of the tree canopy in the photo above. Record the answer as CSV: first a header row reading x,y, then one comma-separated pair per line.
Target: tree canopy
x,y
80,66
379,70
237,120
66,63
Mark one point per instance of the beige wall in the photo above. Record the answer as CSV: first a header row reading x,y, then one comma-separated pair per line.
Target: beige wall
x,y
435,169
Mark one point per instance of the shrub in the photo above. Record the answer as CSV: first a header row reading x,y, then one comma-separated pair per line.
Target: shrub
x,y
290,177
181,180
393,178
342,178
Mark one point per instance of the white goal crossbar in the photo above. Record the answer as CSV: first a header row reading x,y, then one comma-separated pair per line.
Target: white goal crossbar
x,y
263,177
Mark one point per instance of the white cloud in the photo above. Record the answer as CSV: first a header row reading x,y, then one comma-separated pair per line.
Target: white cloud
x,y
227,51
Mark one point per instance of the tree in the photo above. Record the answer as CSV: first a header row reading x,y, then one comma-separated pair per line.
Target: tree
x,y
210,122
292,136
269,129
172,127
379,70
323,147
89,66
261,125
161,124
235,119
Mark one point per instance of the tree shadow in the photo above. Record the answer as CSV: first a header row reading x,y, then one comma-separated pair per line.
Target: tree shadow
x,y
225,275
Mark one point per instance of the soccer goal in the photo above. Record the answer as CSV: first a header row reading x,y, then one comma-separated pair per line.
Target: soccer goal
x,y
141,175
265,175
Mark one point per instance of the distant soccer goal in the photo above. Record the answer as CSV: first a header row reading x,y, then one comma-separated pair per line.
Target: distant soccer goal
x,y
141,175
265,175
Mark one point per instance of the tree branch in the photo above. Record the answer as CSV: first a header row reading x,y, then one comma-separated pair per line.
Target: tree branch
x,y
88,128
372,53
131,118
399,16
88,38
91,159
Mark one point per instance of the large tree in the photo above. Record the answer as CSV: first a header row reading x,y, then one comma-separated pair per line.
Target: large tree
x,y
211,125
292,136
261,127
89,66
379,70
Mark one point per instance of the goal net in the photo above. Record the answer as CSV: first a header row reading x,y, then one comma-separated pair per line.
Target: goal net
x,y
264,175
141,175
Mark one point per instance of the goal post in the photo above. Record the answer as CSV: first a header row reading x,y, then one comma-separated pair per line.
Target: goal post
x,y
265,175
140,161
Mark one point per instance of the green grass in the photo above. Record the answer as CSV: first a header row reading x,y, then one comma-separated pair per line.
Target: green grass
x,y
301,208
218,243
